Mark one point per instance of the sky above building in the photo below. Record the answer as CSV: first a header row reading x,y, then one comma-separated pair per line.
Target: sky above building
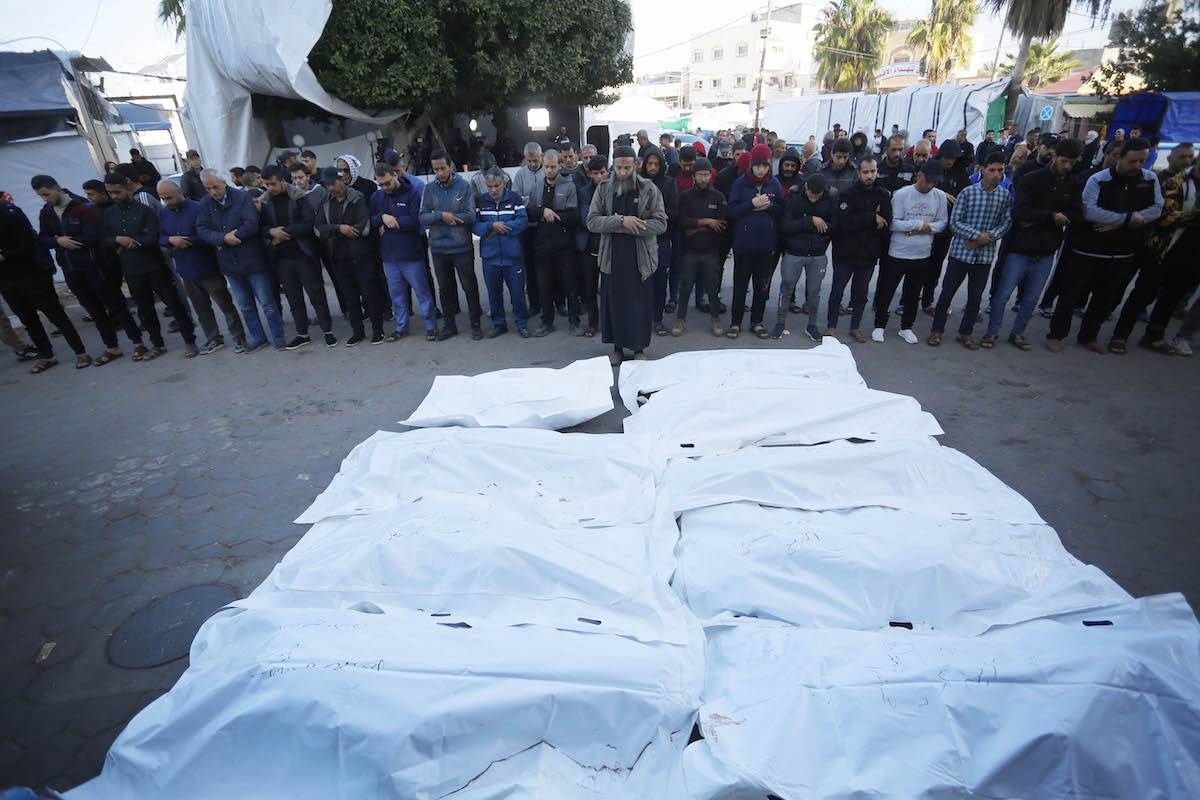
x,y
129,35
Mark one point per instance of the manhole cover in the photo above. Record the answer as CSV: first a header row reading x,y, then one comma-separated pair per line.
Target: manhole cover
x,y
163,630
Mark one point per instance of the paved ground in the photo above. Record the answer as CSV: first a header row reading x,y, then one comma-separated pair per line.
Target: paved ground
x,y
120,484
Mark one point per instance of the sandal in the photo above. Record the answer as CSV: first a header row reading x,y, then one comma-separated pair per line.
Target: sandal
x,y
760,331
83,361
988,342
858,335
431,336
140,352
1117,346
26,354
108,357
589,332
1021,342
43,365
153,353
967,342
733,331
934,339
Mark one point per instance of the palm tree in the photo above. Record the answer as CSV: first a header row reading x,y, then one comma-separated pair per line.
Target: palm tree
x,y
170,13
1044,65
849,44
944,39
1035,19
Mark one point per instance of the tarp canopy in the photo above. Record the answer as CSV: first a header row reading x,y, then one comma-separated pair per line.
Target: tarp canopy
x,y
1181,123
634,107
236,49
944,108
143,118
63,155
33,96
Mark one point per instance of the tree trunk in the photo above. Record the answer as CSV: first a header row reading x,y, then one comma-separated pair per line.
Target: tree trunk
x,y
1018,76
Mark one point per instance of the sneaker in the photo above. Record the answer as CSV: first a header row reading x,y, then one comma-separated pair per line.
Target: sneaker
x,y
497,330
814,333
396,336
669,308
212,346
877,335
255,346
330,340
377,338
524,333
447,332
678,328
544,330
353,340
908,336
777,331
1046,312
1181,346
476,332
190,350
796,308
298,342
239,347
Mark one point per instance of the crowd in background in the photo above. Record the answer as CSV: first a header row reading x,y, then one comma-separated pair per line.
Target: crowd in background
x,y
621,248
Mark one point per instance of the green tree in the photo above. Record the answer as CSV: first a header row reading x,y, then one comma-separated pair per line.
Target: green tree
x,y
457,55
1159,44
1035,19
849,44
170,12
944,39
1045,65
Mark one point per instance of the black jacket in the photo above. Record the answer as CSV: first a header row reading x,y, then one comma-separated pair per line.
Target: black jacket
x,y
301,221
796,229
954,181
695,205
797,179
855,238
1029,166
839,180
20,248
1040,194
191,186
139,222
343,249
895,178
1117,197
724,179
666,185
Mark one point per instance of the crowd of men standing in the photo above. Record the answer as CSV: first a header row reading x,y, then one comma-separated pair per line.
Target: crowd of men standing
x,y
620,250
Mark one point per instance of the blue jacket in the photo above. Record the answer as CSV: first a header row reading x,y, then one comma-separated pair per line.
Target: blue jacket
x,y
236,215
458,199
500,249
404,243
754,231
191,262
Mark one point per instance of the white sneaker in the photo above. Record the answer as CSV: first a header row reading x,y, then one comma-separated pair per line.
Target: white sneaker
x,y
1181,346
877,335
908,336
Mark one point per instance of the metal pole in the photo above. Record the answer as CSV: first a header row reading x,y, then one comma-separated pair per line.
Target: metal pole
x,y
762,62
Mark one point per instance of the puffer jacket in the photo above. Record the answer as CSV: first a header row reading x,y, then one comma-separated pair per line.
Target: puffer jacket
x,y
856,240
457,198
495,248
796,229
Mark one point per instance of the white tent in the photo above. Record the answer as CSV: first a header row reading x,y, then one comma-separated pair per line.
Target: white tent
x,y
726,116
645,109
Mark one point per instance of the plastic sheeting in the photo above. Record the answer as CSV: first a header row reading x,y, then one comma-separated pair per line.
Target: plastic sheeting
x,y
237,48
830,362
64,155
684,420
1094,705
519,398
544,477
315,703
870,568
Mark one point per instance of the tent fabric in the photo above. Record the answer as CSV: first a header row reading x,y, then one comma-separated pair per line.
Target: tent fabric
x,y
143,118
65,156
1181,123
549,399
866,568
1098,704
32,83
945,108
236,49
1142,110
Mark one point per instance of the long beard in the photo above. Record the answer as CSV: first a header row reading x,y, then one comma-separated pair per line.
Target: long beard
x,y
622,187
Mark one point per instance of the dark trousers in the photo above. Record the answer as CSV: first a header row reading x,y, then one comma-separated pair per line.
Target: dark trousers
x,y
722,257
301,276
27,295
941,246
893,271
558,268
859,277
1107,279
1170,280
360,288
697,269
203,292
590,281
676,265
103,302
160,282
749,267
1054,285
337,289
662,277
448,265
976,276
532,285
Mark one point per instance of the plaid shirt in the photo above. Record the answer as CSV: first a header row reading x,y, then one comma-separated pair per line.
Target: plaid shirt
x,y
977,210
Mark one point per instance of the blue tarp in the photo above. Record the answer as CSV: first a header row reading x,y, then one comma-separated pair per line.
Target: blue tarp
x,y
1181,123
143,118
1173,116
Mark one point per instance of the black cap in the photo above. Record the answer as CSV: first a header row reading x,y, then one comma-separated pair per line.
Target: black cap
x,y
624,151
702,165
687,153
330,175
949,149
932,170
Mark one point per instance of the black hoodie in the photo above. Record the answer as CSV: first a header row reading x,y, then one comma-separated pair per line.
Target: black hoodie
x,y
796,229
797,179
666,185
859,148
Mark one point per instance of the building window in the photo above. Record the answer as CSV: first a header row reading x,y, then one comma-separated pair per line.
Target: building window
x,y
698,84
716,84
743,50
740,82
718,53
697,56
789,81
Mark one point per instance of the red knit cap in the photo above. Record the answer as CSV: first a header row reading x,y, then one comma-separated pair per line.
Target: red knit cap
x,y
743,163
700,150
760,153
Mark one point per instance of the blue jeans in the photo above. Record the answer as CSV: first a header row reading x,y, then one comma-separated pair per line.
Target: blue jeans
x,y
400,276
496,277
1031,274
258,286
